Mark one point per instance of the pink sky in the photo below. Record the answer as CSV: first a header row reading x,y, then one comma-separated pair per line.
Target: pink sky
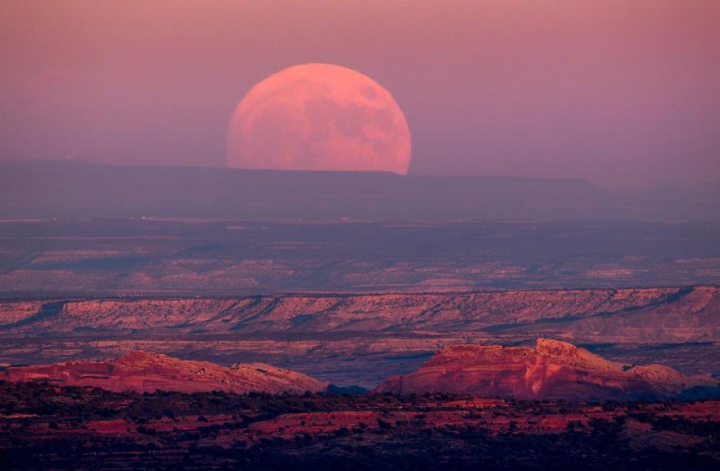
x,y
619,92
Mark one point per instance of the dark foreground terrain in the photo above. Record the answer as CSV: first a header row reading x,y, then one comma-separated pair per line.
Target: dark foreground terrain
x,y
52,427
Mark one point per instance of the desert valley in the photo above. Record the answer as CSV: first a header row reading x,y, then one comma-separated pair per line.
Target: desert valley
x,y
360,235
351,343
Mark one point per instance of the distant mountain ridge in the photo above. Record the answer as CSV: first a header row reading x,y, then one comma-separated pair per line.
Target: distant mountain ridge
x,y
646,315
76,189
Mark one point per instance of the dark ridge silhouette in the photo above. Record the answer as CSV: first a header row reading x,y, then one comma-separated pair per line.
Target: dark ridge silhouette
x,y
67,189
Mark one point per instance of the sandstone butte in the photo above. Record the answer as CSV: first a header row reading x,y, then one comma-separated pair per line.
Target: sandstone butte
x,y
141,371
551,370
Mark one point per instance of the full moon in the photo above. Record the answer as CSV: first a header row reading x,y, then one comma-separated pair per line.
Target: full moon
x,y
319,117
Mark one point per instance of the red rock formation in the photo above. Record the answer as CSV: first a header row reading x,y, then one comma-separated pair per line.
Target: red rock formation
x,y
551,370
142,371
651,315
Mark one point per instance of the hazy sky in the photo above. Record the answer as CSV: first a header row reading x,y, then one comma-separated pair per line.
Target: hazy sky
x,y
619,92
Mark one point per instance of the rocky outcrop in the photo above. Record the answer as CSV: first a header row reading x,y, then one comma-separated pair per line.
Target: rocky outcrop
x,y
142,371
371,336
551,370
264,377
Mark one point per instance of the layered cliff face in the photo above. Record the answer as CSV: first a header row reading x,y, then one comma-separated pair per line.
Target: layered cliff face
x,y
649,315
551,370
370,336
142,371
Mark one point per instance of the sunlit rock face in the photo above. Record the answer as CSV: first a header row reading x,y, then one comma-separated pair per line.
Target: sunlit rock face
x,y
551,370
653,315
142,371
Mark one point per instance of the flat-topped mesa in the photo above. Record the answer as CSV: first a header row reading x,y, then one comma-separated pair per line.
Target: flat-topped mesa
x,y
141,371
551,370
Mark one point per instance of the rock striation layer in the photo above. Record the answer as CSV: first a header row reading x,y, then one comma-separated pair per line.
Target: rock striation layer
x,y
649,315
551,370
142,371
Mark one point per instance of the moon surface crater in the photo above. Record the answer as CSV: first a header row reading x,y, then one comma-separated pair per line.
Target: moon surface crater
x,y
319,117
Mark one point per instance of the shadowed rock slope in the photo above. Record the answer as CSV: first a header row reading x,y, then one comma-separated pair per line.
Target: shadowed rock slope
x,y
551,370
142,371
